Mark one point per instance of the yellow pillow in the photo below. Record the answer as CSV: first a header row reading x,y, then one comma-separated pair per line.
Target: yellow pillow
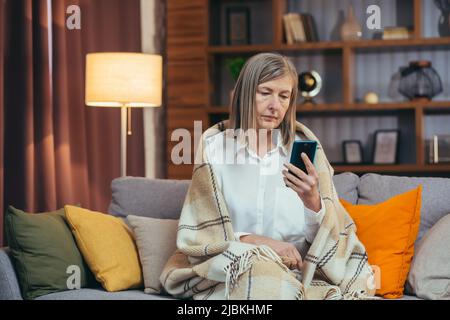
x,y
388,231
108,247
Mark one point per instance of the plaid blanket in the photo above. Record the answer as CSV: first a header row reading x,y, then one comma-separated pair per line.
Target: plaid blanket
x,y
210,263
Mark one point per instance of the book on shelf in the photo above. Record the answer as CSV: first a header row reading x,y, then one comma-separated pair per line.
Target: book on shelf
x,y
299,28
287,30
439,149
310,27
391,33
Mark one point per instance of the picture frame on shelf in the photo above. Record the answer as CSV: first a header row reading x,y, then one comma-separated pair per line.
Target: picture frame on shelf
x,y
385,146
238,25
352,151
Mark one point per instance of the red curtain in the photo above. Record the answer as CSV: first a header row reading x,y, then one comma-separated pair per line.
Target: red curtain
x,y
57,151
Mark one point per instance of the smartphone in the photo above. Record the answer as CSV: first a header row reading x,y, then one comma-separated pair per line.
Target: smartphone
x,y
307,146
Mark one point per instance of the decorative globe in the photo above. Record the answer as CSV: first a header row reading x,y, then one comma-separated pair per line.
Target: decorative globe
x,y
309,84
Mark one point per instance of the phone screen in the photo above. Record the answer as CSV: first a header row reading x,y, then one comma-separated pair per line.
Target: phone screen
x,y
300,146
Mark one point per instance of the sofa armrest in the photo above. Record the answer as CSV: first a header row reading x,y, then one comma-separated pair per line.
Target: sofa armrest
x,y
9,287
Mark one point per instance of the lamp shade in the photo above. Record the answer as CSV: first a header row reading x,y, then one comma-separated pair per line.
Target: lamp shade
x,y
116,79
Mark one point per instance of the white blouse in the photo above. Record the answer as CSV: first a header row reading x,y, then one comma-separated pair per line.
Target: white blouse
x,y
257,198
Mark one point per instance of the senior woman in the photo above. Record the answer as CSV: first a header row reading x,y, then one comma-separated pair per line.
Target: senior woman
x,y
248,211
262,209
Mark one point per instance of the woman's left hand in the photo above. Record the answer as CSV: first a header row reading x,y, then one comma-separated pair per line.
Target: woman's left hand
x,y
304,184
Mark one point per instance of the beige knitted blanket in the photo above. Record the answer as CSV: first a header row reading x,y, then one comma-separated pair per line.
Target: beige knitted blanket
x,y
210,264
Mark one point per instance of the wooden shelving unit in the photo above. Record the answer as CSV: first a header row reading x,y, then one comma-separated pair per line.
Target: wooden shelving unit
x,y
333,45
433,106
186,58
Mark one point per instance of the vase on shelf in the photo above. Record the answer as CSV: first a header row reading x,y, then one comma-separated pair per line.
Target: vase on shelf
x,y
351,29
444,19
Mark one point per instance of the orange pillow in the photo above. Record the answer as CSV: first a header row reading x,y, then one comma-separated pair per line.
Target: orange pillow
x,y
388,230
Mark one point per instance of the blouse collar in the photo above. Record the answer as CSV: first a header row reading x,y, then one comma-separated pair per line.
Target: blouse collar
x,y
242,143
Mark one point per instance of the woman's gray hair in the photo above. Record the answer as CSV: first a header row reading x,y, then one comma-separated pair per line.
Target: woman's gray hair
x,y
258,69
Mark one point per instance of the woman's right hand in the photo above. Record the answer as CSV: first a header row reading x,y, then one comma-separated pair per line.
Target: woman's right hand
x,y
287,251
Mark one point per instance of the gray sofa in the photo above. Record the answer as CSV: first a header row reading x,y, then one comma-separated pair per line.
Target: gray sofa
x,y
164,199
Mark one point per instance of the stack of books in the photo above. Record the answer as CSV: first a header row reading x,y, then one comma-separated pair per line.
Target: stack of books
x,y
390,33
299,28
439,149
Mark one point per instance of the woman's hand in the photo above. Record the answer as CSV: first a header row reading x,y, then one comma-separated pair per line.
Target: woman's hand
x,y
304,184
287,251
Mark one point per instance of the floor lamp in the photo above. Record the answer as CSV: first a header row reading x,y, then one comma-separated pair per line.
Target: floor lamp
x,y
123,80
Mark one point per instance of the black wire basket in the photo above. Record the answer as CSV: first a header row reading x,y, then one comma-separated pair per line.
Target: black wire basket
x,y
419,80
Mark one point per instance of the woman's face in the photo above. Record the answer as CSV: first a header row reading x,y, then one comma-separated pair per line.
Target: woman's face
x,y
272,102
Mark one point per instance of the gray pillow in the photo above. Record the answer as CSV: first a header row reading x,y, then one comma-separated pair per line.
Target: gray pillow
x,y
375,188
154,198
156,242
429,276
347,186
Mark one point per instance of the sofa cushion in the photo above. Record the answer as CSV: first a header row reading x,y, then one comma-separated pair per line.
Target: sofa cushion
x,y
42,250
153,198
346,184
108,246
156,241
375,188
429,277
9,287
388,231
98,294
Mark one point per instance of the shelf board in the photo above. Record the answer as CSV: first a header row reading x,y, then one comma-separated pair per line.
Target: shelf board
x,y
333,45
406,168
358,107
355,107
323,107
384,105
360,44
242,49
367,107
435,104
436,107
402,105
321,45
300,108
